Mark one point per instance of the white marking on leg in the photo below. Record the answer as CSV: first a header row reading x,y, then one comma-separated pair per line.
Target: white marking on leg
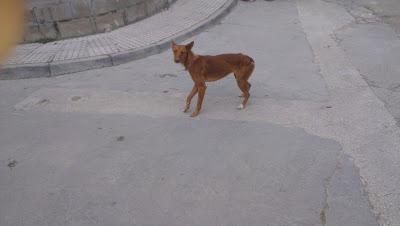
x,y
240,107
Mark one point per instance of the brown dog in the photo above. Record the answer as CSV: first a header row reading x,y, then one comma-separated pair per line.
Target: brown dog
x,y
204,69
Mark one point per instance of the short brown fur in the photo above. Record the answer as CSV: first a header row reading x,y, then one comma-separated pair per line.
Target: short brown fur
x,y
204,69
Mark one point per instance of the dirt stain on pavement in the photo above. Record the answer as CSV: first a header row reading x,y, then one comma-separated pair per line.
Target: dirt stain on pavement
x,y
76,98
322,217
168,75
43,102
12,163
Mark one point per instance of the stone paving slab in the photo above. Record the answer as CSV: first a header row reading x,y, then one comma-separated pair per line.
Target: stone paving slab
x,y
131,42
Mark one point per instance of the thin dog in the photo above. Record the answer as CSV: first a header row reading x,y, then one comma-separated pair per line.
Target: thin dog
x,y
204,69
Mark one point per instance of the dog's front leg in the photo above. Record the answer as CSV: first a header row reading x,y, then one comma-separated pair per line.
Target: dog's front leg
x,y
189,97
202,90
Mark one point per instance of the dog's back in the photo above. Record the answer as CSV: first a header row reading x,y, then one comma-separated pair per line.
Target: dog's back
x,y
235,60
224,63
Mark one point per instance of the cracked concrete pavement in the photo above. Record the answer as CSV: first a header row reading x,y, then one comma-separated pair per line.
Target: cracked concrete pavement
x,y
372,43
316,146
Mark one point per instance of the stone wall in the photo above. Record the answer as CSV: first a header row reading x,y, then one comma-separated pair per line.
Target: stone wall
x,y
49,20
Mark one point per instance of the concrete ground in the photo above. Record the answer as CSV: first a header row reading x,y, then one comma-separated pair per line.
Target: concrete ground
x,y
111,146
373,45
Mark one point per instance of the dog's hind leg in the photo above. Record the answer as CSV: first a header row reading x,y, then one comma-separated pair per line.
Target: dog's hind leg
x,y
241,95
189,97
242,77
244,87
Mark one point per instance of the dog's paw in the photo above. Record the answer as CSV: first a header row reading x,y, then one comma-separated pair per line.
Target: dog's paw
x,y
194,114
240,107
187,107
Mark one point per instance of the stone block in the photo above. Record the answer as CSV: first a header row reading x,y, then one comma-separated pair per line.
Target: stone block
x,y
42,15
104,6
109,21
72,18
32,33
40,32
29,17
61,11
154,6
124,57
71,66
394,21
25,71
136,12
76,27
81,8
48,31
127,3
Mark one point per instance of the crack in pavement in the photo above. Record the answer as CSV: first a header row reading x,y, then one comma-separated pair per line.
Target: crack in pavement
x,y
327,186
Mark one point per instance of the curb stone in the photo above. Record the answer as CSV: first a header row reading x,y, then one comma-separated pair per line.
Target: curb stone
x,y
25,71
71,66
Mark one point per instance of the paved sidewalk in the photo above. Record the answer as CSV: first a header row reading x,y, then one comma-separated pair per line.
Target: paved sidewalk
x,y
131,42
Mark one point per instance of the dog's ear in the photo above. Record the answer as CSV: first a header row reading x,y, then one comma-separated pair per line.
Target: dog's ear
x,y
190,45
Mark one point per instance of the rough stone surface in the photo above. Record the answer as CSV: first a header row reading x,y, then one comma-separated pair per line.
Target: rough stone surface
x,y
155,5
109,21
127,3
62,11
29,15
45,31
34,33
136,12
104,6
73,12
81,8
42,15
76,27
48,32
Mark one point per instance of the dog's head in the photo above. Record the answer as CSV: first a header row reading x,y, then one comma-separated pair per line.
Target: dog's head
x,y
181,51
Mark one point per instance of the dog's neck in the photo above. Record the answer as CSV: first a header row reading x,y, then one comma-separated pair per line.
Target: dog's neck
x,y
191,57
